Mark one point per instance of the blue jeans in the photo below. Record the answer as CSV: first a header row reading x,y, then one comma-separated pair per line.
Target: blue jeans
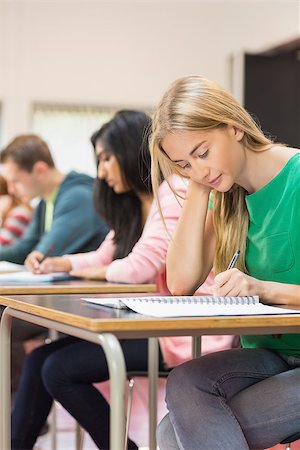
x,y
237,399
65,370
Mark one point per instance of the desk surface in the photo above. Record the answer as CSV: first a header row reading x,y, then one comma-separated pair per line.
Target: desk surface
x,y
74,287
72,310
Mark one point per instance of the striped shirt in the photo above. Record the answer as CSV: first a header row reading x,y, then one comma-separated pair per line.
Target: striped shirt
x,y
14,225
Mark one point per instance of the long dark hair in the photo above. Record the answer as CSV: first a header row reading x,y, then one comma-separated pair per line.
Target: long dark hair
x,y
126,137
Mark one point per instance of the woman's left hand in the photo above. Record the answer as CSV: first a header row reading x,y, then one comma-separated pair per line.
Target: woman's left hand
x,y
235,283
90,273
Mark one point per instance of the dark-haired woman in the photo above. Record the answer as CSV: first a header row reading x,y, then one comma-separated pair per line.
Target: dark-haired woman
x,y
133,252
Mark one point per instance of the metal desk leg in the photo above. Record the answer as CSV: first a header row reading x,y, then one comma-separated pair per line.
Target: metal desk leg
x,y
53,336
152,380
117,375
116,367
5,389
196,346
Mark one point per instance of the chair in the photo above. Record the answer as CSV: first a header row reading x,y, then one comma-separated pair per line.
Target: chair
x,y
153,346
152,403
151,374
80,432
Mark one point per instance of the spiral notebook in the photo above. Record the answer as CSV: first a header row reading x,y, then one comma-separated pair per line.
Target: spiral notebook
x,y
189,306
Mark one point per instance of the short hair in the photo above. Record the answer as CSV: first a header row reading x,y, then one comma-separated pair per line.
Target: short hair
x,y
25,150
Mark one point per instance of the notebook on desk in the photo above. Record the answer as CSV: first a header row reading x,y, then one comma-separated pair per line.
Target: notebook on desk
x,y
6,266
31,278
192,306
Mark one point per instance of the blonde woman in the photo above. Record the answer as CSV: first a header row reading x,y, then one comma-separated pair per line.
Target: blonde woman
x,y
245,398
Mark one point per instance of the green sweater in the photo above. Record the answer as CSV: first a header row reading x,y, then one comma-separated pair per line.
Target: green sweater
x,y
273,245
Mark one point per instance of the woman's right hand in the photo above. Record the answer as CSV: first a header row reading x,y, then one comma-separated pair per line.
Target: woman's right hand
x,y
55,264
190,252
195,186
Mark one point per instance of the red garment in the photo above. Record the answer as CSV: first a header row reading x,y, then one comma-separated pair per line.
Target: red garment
x,y
14,225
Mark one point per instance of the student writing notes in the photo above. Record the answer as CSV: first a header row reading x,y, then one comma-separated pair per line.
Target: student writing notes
x,y
245,398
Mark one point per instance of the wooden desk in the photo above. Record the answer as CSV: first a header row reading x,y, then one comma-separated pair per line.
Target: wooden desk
x,y
71,310
74,287
69,314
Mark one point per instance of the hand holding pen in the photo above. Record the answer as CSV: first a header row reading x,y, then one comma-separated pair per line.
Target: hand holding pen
x,y
35,258
234,283
224,282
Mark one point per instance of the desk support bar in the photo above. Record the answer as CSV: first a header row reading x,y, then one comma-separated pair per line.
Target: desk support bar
x,y
5,383
196,346
116,367
153,347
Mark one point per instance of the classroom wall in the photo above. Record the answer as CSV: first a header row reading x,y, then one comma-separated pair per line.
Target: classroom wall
x,y
124,53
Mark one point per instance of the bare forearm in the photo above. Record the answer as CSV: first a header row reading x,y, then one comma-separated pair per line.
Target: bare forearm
x,y
186,254
233,282
279,293
91,273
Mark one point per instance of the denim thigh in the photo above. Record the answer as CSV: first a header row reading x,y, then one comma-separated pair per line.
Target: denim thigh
x,y
206,410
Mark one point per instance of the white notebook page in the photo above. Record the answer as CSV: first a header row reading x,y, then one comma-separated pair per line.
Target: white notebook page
x,y
188,306
6,266
28,277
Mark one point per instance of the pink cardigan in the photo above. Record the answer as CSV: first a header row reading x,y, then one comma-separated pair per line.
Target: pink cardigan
x,y
147,263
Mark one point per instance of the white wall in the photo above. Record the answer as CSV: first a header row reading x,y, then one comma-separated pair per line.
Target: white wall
x,y
124,53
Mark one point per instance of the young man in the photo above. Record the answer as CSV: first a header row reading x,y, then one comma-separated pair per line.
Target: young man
x,y
64,220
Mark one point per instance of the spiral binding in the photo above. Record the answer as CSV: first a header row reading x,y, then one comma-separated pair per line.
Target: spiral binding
x,y
202,300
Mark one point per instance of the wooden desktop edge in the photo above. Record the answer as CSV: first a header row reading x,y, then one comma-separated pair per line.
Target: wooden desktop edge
x,y
101,288
139,326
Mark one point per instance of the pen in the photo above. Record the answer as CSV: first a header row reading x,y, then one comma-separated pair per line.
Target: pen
x,y
234,259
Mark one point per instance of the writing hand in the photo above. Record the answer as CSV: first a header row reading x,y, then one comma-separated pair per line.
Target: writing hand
x,y
55,264
235,283
32,262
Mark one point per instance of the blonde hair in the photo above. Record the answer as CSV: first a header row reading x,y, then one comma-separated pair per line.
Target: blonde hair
x,y
194,103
